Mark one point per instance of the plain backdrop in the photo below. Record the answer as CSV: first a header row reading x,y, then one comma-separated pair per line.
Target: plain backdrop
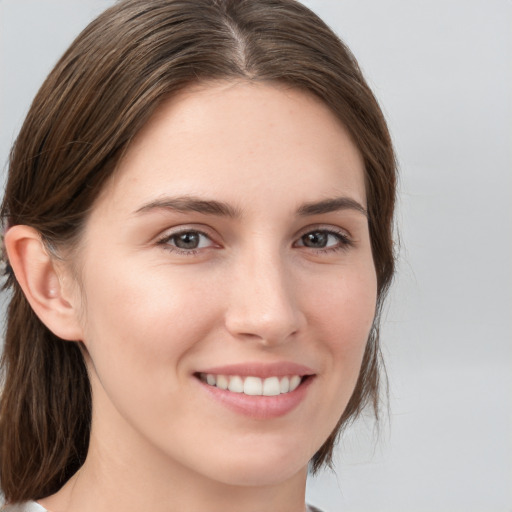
x,y
442,70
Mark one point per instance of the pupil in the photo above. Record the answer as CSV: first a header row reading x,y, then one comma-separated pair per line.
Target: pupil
x,y
187,241
315,239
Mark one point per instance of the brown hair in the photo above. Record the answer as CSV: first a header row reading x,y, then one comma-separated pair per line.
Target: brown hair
x,y
102,91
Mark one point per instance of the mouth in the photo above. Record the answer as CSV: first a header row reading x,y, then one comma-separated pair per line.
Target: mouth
x,y
258,391
252,385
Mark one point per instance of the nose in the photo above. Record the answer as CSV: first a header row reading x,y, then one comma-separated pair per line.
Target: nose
x,y
263,302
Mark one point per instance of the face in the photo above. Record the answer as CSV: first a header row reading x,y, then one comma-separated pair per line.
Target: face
x,y
230,249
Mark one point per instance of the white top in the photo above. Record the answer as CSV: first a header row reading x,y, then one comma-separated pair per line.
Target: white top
x,y
27,506
32,506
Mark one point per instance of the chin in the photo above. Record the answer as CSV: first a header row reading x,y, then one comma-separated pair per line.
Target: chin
x,y
260,466
265,475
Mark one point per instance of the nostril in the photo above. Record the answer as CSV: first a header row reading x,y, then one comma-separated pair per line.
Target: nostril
x,y
264,328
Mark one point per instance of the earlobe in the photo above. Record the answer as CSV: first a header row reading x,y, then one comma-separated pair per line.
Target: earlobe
x,y
41,280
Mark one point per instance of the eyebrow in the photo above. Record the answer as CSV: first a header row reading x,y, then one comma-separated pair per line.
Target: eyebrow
x,y
331,205
185,204
191,204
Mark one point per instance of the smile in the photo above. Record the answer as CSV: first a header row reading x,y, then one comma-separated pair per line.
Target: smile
x,y
258,391
253,386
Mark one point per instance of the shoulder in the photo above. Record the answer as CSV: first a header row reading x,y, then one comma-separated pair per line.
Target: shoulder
x,y
27,506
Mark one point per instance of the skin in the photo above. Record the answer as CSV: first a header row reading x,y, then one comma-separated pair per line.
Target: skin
x,y
253,291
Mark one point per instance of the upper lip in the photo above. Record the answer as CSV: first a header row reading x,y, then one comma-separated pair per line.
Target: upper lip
x,y
262,370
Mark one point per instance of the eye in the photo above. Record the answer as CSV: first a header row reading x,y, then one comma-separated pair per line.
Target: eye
x,y
324,240
187,241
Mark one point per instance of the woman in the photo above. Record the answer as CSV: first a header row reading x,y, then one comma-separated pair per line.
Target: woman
x,y
198,236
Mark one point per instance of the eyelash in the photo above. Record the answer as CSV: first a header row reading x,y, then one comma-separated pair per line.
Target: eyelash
x,y
344,242
164,242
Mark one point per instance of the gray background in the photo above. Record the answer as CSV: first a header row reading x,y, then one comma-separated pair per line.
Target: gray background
x,y
442,70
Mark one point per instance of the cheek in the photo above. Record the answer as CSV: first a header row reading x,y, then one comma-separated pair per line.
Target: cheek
x,y
341,314
147,318
345,318
139,330
345,309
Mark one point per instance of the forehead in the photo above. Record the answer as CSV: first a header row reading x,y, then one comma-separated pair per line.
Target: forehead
x,y
241,141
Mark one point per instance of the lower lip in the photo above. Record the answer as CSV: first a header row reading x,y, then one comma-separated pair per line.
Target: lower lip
x,y
259,407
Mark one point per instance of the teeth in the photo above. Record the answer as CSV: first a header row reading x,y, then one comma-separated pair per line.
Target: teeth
x,y
221,381
294,382
254,386
236,384
271,386
284,385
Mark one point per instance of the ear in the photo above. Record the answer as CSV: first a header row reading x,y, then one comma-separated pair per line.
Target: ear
x,y
43,281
